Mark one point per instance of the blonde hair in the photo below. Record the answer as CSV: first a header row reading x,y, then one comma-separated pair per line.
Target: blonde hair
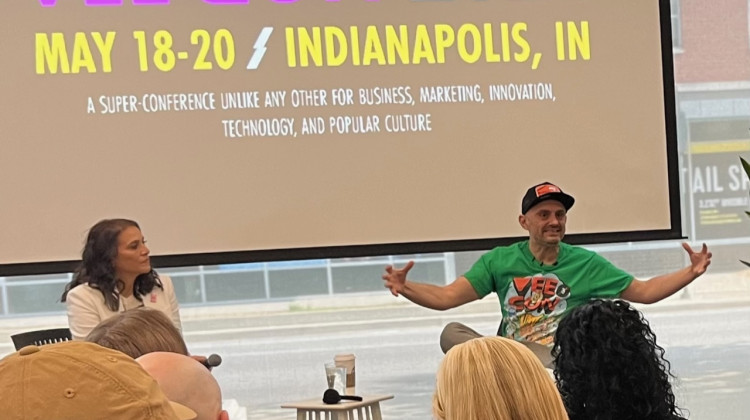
x,y
137,332
494,378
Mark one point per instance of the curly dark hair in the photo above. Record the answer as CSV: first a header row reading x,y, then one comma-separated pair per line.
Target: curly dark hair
x,y
97,266
609,367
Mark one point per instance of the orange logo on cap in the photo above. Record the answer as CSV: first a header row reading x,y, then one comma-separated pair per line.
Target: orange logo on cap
x,y
546,189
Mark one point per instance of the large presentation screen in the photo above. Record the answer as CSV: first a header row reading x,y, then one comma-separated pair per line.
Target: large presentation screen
x,y
280,129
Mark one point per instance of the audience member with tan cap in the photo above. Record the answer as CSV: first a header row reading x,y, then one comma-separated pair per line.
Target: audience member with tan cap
x,y
79,380
186,381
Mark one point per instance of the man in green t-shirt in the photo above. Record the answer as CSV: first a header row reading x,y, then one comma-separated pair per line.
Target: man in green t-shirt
x,y
540,279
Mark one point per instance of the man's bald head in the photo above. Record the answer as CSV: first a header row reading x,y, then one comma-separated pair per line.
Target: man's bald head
x,y
186,381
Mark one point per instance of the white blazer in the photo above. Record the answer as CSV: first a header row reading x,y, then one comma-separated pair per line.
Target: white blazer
x,y
86,307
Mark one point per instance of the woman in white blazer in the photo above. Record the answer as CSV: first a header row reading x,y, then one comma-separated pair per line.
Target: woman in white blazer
x,y
115,275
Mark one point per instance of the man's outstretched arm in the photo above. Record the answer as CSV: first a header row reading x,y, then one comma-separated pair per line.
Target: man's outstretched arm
x,y
429,295
660,287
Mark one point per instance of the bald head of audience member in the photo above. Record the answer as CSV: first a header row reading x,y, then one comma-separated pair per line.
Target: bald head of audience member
x,y
186,381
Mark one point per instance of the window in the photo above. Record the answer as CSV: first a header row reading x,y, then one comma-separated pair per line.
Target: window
x,y
674,6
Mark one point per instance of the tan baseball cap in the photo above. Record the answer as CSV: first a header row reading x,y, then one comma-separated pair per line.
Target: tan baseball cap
x,y
77,380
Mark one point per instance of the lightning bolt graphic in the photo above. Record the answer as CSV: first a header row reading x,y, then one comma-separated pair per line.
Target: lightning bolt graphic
x,y
260,48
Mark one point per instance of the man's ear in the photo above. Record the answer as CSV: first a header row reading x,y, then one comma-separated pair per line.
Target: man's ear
x,y
223,415
522,221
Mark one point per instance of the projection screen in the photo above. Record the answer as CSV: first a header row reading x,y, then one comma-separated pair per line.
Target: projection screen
x,y
246,130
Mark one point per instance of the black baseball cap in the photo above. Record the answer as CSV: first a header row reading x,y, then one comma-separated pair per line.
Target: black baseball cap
x,y
542,192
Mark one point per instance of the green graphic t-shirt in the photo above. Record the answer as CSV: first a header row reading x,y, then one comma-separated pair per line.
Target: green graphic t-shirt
x,y
533,296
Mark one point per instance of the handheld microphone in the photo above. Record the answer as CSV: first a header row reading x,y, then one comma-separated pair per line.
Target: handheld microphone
x,y
331,396
212,361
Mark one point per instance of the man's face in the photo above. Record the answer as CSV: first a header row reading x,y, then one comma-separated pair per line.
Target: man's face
x,y
545,222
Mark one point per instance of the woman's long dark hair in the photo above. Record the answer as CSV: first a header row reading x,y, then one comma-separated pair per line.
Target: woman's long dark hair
x,y
609,367
98,265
